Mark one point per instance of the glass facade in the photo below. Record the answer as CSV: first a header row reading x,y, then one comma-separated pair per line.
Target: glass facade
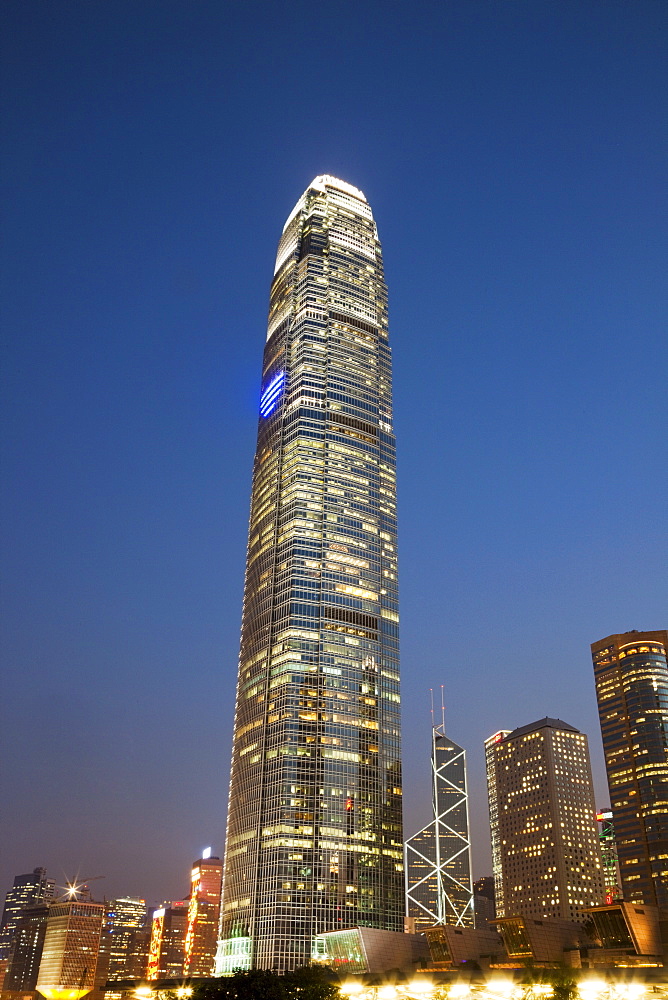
x,y
492,799
438,858
314,838
26,891
631,676
124,917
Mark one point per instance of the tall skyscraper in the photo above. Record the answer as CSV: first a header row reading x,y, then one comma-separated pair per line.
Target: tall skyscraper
x,y
169,925
124,918
609,859
199,951
438,858
314,838
27,947
492,798
549,854
27,890
632,690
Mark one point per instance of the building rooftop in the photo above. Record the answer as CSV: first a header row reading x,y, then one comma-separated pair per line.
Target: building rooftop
x,y
545,723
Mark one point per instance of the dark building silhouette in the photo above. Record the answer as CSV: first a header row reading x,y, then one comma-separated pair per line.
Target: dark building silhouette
x,y
26,949
28,889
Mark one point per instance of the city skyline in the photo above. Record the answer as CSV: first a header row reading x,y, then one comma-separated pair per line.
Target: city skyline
x,y
512,162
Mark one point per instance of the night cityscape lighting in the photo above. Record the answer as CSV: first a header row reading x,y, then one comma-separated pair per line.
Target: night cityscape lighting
x,y
266,811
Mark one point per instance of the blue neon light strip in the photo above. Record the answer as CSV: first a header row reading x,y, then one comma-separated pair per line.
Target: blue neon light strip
x,y
271,395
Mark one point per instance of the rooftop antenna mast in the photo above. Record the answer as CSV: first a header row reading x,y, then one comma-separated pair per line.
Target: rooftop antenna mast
x,y
431,695
442,710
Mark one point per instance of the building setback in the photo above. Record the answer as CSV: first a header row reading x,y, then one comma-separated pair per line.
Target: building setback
x,y
631,677
314,838
549,854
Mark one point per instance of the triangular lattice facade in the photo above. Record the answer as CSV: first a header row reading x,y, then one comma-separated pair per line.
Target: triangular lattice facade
x,y
438,858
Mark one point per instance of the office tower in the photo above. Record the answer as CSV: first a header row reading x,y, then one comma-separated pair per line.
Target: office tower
x,y
203,916
484,900
631,677
124,917
550,860
606,837
168,934
438,858
314,839
26,891
71,948
490,768
26,949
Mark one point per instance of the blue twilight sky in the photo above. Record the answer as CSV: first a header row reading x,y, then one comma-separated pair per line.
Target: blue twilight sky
x,y
514,154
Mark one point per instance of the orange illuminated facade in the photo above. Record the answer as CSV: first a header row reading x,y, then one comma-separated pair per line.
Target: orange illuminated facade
x,y
203,915
70,957
157,926
168,931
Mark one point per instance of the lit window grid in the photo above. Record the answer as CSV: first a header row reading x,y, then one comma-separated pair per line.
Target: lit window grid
x,y
548,842
307,507
71,945
632,691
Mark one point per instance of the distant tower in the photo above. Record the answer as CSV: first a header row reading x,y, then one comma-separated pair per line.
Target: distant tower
x,y
550,859
26,891
483,900
203,916
438,858
124,918
71,948
492,799
606,836
631,676
26,950
168,934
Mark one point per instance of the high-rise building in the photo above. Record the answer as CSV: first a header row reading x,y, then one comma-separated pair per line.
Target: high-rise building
x,y
169,924
490,767
484,900
631,677
203,916
26,949
314,838
72,948
124,917
609,860
27,890
438,858
550,860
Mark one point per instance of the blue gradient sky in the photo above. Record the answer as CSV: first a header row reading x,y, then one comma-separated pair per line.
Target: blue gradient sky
x,y
514,157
